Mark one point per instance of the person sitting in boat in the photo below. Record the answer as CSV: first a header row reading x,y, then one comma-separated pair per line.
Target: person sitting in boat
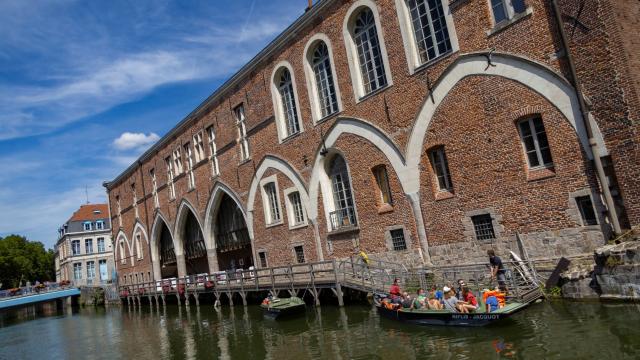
x,y
407,300
451,302
394,292
420,301
437,294
470,301
461,285
491,303
432,302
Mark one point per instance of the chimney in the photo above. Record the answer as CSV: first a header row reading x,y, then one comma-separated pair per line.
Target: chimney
x,y
309,6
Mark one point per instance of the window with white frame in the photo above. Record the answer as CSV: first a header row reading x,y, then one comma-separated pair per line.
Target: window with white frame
x,y
91,270
189,157
440,167
325,85
172,190
75,247
119,207
123,258
88,246
430,33
294,208
242,132
135,200
369,52
154,188
101,246
138,245
504,10
344,214
213,151
99,225
535,143
289,107
77,271
198,147
272,207
177,162
87,226
104,273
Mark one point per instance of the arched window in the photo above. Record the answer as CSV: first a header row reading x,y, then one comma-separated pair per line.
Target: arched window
x,y
138,245
365,37
327,97
344,214
288,102
123,259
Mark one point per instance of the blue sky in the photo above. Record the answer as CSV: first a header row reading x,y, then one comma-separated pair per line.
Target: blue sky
x,y
87,86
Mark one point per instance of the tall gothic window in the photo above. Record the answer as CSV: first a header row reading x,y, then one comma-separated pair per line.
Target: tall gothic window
x,y
321,63
365,36
289,106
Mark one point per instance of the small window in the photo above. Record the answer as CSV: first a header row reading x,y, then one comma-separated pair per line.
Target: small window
x,y
274,206
483,226
138,246
397,240
172,189
263,259
177,162
88,246
299,254
101,247
440,167
77,271
198,146
503,10
296,208
154,188
189,157
123,258
99,225
587,212
382,180
536,145
75,247
242,132
213,151
87,226
91,270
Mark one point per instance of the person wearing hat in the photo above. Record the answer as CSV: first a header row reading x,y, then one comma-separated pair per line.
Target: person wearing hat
x,y
451,302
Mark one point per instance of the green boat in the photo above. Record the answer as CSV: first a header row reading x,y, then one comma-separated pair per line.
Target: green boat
x,y
276,308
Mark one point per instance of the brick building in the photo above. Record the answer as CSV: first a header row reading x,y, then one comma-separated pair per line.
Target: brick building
x,y
419,131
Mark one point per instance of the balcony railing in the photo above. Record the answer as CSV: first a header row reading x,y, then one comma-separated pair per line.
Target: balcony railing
x,y
343,218
232,240
168,257
195,249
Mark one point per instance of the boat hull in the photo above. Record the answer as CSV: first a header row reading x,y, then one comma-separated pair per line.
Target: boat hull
x,y
442,318
278,313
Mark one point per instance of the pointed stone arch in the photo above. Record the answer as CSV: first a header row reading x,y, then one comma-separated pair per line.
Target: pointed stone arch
x,y
187,247
160,222
536,76
222,194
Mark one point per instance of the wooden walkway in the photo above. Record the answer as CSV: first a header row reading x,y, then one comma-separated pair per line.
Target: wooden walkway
x,y
316,277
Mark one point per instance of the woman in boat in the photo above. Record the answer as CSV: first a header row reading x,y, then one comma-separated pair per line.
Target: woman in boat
x,y
394,292
470,302
451,302
420,301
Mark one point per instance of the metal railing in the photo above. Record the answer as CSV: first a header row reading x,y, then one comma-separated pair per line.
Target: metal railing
x,y
343,218
34,290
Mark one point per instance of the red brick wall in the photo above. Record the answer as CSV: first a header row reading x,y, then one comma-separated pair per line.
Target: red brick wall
x,y
475,122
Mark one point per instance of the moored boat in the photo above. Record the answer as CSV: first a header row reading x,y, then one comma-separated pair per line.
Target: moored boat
x,y
280,307
449,318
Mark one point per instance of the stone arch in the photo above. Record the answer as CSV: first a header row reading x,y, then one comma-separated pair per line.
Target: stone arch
x,y
365,130
156,232
139,228
222,192
189,250
121,237
535,76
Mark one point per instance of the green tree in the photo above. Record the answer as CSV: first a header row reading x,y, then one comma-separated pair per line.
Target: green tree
x,y
24,260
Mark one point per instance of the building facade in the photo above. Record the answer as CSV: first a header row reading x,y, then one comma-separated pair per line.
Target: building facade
x,y
418,131
84,250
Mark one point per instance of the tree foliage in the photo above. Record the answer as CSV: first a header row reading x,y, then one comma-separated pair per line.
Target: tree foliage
x,y
24,260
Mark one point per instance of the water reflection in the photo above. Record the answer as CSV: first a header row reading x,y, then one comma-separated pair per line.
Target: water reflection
x,y
550,330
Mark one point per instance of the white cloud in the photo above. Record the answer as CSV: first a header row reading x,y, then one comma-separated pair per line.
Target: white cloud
x,y
128,141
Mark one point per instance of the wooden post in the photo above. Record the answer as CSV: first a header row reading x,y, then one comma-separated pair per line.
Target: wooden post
x,y
243,295
230,296
339,294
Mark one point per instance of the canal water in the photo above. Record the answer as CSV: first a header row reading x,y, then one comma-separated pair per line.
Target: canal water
x,y
562,330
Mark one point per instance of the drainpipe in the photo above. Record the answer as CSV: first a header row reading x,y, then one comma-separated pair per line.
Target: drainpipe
x,y
586,116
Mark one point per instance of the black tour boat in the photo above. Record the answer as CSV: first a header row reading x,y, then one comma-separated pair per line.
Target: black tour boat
x,y
277,308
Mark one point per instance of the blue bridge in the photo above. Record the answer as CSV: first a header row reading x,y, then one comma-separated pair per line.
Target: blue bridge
x,y
22,300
